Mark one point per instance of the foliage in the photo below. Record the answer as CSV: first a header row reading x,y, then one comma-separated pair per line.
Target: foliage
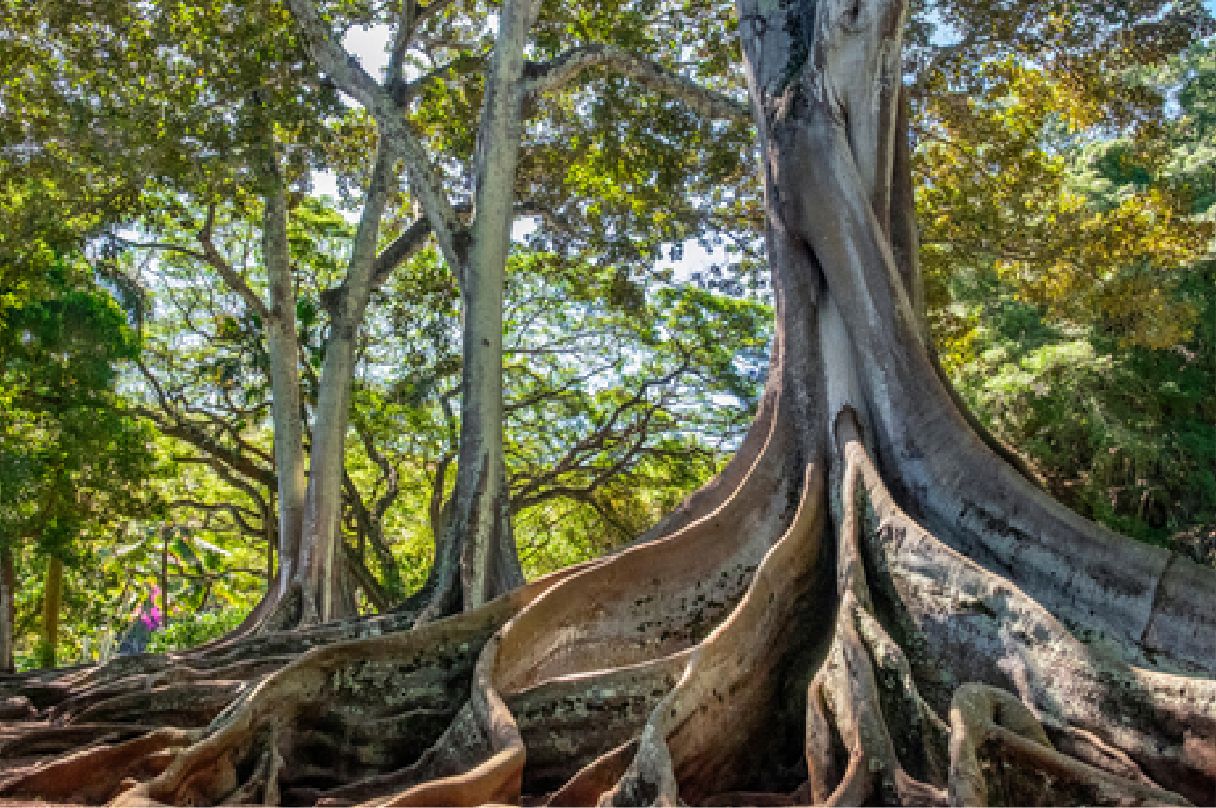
x,y
72,458
1096,357
201,627
1065,176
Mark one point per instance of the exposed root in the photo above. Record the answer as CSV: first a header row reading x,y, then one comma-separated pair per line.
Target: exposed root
x,y
631,652
247,656
70,709
686,751
845,702
294,723
650,678
981,715
94,775
962,619
187,704
596,778
674,671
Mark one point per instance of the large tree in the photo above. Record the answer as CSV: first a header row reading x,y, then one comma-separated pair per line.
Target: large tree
x,y
867,605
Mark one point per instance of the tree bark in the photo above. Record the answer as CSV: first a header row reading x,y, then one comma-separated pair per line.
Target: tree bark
x,y
283,348
319,556
52,604
475,556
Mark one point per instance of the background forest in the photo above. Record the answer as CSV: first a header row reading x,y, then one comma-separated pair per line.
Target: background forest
x,y
1066,219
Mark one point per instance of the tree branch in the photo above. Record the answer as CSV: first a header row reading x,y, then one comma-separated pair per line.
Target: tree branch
x,y
341,67
543,77
350,77
401,41
400,250
231,277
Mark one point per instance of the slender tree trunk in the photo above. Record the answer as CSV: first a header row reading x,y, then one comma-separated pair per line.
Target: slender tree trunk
x,y
323,510
476,557
8,582
281,605
284,350
52,604
164,576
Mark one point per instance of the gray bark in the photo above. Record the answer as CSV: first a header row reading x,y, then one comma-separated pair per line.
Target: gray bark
x,y
284,351
876,592
476,551
319,554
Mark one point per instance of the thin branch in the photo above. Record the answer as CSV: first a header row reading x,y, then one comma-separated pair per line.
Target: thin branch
x,y
217,454
401,41
239,514
425,13
233,278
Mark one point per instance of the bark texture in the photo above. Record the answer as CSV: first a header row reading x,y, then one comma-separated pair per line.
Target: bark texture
x,y
868,606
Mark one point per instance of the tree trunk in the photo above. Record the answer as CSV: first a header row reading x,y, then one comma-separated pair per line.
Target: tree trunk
x,y
284,350
281,604
475,555
323,506
164,576
8,593
319,555
52,604
867,607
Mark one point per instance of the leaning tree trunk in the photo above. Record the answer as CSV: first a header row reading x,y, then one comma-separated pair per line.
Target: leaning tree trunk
x,y
866,607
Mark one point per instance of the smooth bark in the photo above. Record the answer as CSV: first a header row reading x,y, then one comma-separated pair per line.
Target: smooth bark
x,y
282,344
476,554
320,558
866,607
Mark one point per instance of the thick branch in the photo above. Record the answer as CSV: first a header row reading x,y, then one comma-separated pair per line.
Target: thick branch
x,y
350,77
545,77
401,249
